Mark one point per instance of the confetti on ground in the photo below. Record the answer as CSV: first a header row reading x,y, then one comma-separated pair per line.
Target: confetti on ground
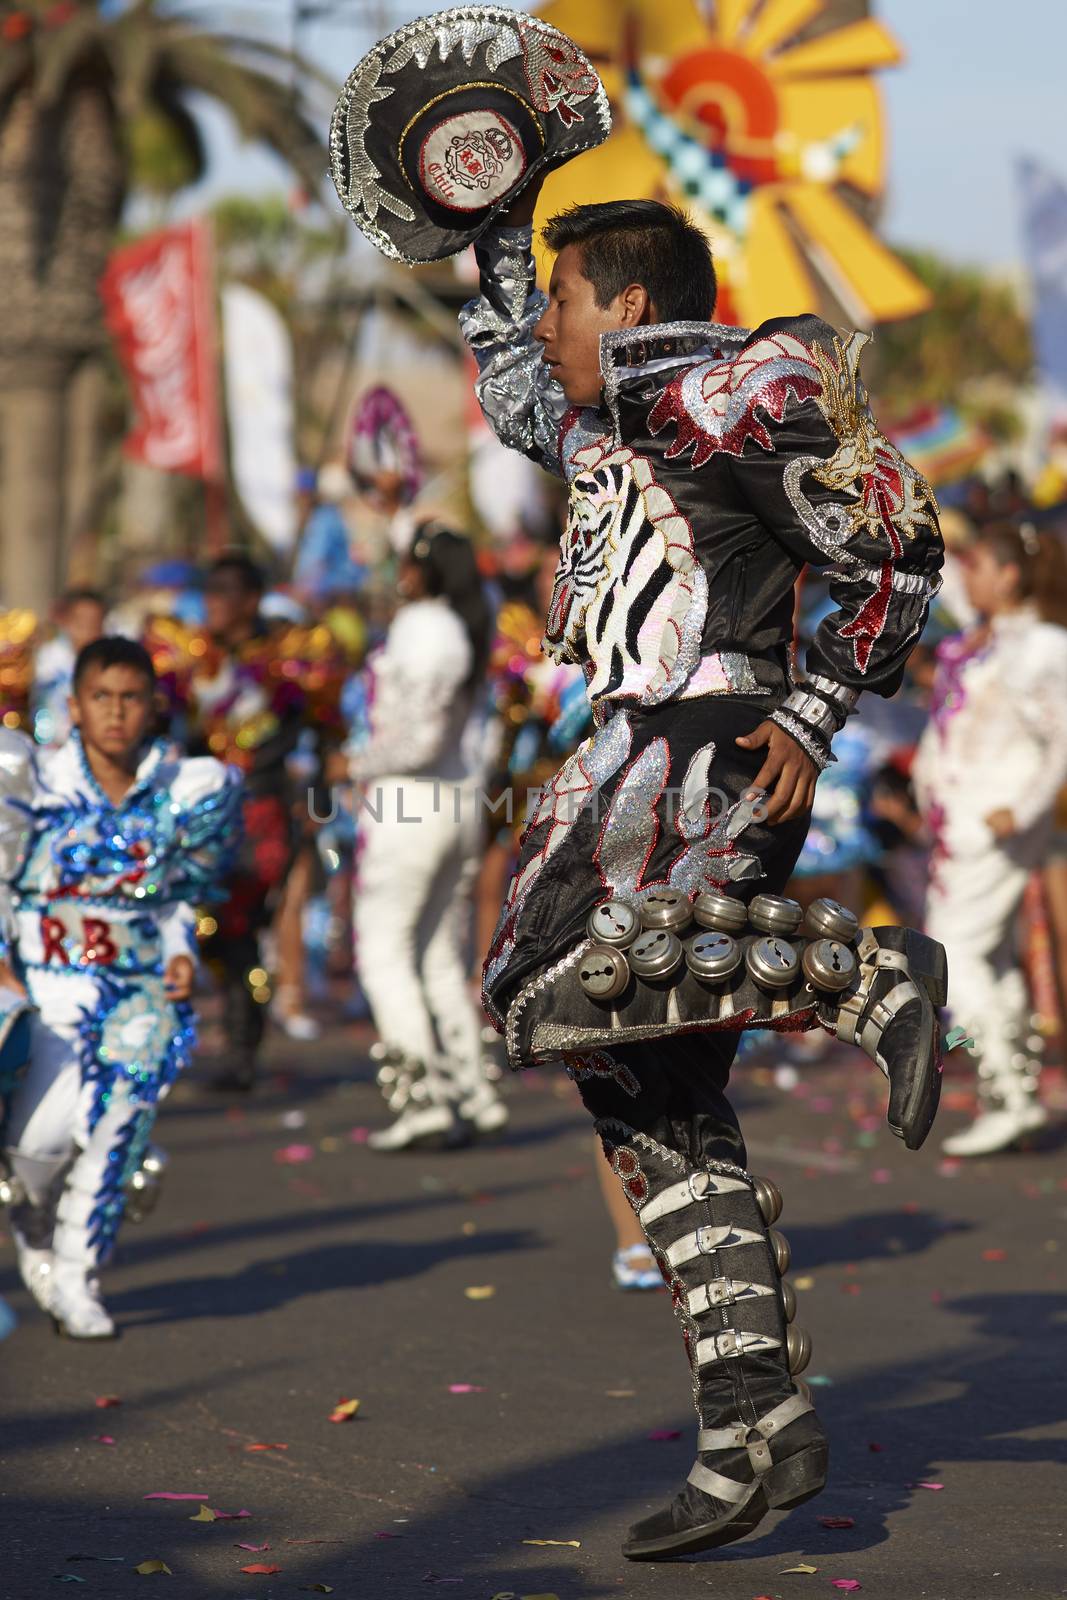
x,y
620,1394
147,1568
104,1402
851,1584
383,1535
102,1438
261,1569
934,1486
803,1567
344,1410
573,1544
837,1522
315,1588
804,1282
254,1447
484,1291
819,1380
994,1255
68,1577
253,1549
875,1449
665,1433
466,1388
205,1514
118,1560
359,1135
291,1155
435,1577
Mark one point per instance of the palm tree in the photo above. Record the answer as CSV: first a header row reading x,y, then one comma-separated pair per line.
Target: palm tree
x,y
77,82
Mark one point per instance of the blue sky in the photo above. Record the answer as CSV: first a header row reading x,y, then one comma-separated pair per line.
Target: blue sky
x,y
984,81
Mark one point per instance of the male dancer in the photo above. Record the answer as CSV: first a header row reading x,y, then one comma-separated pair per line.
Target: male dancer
x,y
106,845
244,690
707,465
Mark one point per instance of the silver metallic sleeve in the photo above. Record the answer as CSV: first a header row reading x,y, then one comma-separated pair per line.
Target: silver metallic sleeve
x,y
814,711
521,401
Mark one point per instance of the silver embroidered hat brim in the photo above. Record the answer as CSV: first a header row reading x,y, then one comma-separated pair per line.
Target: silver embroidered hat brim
x,y
506,53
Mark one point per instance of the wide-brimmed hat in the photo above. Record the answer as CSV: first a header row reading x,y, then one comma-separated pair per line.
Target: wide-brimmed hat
x,y
443,123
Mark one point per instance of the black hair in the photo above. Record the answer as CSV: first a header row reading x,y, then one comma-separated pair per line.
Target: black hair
x,y
641,241
114,650
450,570
1041,561
81,596
250,574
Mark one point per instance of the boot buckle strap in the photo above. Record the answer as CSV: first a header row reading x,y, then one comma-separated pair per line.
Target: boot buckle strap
x,y
883,1013
719,1486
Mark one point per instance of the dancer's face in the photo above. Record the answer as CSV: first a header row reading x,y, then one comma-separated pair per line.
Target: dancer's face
x,y
114,708
992,586
573,322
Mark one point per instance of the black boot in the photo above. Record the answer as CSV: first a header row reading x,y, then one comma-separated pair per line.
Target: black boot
x,y
243,1022
903,976
760,1445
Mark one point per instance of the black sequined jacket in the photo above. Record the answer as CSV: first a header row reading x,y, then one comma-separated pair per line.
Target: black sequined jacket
x,y
720,462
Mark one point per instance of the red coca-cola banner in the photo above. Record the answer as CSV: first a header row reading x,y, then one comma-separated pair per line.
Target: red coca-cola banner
x,y
159,299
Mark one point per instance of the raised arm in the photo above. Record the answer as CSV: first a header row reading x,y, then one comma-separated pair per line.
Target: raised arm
x,y
522,403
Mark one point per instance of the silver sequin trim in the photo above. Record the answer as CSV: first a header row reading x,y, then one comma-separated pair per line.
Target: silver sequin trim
x,y
805,738
620,341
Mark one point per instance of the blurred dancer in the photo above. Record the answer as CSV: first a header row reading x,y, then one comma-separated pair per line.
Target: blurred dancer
x,y
107,844
80,617
987,775
419,767
245,689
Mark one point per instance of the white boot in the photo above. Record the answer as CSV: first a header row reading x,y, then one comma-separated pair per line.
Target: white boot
x,y
35,1268
418,1126
76,1307
484,1110
995,1130
420,1097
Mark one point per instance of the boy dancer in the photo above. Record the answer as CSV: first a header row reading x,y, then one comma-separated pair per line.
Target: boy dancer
x,y
106,845
707,465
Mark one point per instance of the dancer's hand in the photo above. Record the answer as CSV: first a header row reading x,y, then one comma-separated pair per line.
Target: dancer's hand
x,y
788,773
1001,823
520,213
178,978
8,979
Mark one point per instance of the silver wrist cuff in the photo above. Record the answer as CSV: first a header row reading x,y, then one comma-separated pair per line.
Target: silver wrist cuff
x,y
837,693
814,711
808,741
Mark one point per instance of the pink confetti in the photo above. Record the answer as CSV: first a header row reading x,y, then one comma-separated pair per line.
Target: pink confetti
x,y
994,1255
466,1388
876,1449
105,1402
359,1135
256,1549
165,1494
851,1584
665,1433
934,1486
103,1438
388,1535
251,1448
291,1154
231,1516
837,1522
882,1175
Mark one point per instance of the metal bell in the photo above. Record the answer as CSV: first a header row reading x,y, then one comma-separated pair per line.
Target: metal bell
x,y
656,954
826,919
798,1347
722,911
603,972
666,908
789,1300
712,956
773,962
773,913
780,1246
12,1190
829,964
614,923
143,1188
768,1198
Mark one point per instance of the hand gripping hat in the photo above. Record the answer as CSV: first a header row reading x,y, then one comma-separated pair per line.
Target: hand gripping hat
x,y
443,123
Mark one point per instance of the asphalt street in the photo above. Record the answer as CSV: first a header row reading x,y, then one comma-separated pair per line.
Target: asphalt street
x,y
515,1411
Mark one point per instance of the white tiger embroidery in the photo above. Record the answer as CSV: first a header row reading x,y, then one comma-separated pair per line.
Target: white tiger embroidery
x,y
626,541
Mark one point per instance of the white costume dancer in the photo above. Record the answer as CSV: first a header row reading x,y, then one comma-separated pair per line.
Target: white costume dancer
x,y
421,829
996,743
96,898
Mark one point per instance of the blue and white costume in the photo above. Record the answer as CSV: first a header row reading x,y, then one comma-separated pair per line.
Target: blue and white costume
x,y
95,900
